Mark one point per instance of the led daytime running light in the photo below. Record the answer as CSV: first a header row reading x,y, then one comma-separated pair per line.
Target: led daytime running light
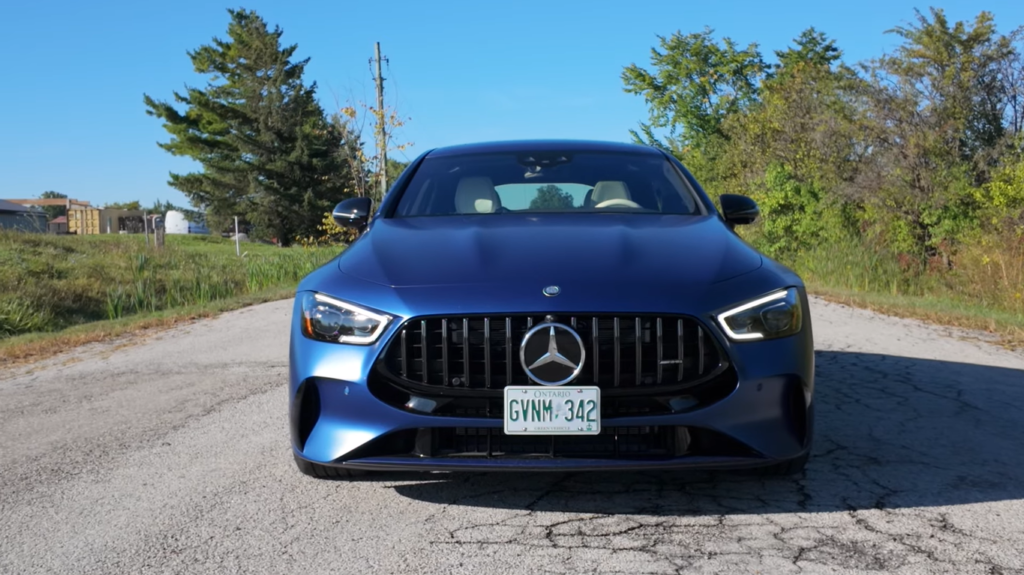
x,y
747,336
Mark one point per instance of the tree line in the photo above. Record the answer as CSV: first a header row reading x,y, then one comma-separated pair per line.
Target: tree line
x,y
917,152
915,156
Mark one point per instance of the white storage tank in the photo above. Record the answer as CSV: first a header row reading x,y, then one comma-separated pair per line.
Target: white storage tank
x,y
176,223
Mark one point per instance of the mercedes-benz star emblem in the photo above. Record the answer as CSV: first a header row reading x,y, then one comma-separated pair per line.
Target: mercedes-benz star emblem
x,y
555,359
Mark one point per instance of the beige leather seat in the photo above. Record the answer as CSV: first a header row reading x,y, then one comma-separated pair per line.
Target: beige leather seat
x,y
609,190
476,195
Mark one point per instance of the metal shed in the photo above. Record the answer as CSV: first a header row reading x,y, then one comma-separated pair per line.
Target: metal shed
x,y
17,217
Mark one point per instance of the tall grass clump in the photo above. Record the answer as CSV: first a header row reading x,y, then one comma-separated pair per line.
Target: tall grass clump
x,y
857,266
264,271
989,272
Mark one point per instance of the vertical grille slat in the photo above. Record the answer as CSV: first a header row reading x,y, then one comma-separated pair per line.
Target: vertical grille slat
x,y
465,351
423,350
487,359
639,352
405,354
681,341
508,351
618,351
444,353
661,352
700,351
483,352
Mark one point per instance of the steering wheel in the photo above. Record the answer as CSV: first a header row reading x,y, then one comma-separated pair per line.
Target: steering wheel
x,y
618,202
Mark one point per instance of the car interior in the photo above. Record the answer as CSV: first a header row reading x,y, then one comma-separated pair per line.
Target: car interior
x,y
478,195
476,188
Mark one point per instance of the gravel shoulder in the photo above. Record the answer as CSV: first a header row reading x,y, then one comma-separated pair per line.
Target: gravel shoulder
x,y
170,454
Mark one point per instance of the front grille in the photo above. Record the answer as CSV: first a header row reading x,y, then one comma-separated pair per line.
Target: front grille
x,y
622,352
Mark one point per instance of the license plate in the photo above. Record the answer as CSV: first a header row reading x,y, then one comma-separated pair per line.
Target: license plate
x,y
537,410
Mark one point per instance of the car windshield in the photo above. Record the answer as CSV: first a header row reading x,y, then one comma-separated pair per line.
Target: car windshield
x,y
565,182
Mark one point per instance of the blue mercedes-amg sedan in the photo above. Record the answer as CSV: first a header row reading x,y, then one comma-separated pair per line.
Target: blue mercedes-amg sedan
x,y
550,306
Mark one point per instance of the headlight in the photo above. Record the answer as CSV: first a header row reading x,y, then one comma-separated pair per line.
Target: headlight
x,y
327,319
775,315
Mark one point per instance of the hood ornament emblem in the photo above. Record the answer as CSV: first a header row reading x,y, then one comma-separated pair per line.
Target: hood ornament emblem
x,y
552,291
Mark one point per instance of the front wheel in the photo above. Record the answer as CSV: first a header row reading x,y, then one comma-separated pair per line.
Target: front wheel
x,y
325,471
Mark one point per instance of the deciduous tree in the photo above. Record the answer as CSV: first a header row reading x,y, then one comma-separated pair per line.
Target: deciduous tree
x,y
695,83
132,205
551,197
54,211
936,129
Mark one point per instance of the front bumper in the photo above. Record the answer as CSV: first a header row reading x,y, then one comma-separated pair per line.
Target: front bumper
x,y
336,420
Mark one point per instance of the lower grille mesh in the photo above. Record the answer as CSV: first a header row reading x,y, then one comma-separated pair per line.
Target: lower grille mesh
x,y
612,442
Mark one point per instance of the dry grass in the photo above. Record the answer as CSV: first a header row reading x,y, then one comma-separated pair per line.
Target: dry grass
x,y
989,271
982,291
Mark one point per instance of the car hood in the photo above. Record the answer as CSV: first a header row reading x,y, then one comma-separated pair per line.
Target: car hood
x,y
548,249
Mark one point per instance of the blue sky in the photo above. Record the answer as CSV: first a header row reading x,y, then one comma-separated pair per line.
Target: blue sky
x,y
72,118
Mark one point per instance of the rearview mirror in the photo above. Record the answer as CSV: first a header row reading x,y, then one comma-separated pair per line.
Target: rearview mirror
x,y
352,213
738,210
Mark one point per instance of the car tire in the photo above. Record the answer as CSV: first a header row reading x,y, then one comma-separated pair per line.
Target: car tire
x,y
324,471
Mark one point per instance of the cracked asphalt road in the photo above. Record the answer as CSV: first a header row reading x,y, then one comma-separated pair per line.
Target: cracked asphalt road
x,y
170,455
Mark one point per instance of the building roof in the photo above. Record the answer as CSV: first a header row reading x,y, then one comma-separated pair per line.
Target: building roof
x,y
6,206
59,220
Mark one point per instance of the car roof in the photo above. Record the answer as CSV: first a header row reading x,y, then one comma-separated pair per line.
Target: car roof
x,y
542,145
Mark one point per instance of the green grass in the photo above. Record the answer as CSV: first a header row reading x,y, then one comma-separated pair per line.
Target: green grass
x,y
51,283
60,291
40,345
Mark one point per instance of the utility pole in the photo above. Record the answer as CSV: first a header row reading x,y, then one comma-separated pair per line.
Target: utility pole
x,y
381,125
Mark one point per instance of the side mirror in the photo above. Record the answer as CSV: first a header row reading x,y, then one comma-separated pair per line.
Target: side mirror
x,y
738,210
352,213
